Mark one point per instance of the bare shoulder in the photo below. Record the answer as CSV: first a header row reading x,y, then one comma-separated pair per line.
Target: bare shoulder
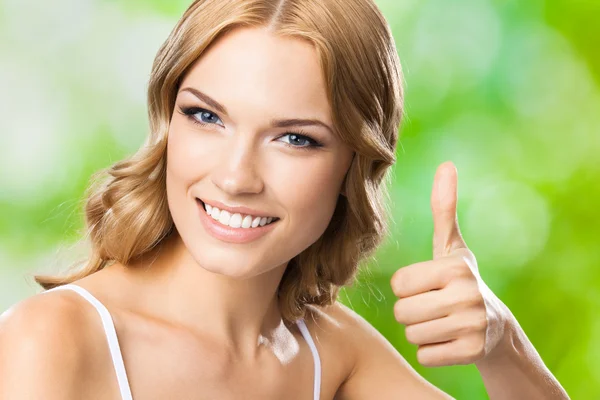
x,y
45,342
377,369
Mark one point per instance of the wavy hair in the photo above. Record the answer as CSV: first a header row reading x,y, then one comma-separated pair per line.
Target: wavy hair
x,y
126,210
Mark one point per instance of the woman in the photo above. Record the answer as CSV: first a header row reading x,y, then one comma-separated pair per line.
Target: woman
x,y
219,248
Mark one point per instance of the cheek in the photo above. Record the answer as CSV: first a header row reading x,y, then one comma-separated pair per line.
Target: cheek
x,y
188,159
175,182
184,149
176,173
310,186
310,194
182,172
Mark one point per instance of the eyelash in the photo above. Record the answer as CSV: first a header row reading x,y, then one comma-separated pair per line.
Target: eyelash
x,y
189,113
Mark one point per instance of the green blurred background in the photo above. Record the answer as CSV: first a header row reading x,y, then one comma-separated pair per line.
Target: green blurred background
x,y
508,90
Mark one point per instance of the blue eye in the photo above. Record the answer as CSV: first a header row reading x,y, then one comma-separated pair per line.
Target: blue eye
x,y
191,113
207,117
294,137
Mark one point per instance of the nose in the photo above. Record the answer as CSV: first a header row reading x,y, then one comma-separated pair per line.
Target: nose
x,y
237,170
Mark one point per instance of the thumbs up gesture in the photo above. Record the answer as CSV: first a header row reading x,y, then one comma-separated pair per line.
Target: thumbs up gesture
x,y
447,309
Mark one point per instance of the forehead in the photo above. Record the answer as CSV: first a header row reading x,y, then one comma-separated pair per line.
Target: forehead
x,y
251,67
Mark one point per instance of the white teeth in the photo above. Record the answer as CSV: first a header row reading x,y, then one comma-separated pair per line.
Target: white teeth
x,y
224,217
247,221
235,220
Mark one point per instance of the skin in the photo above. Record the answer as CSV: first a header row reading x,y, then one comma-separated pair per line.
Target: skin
x,y
199,312
238,158
455,319
197,318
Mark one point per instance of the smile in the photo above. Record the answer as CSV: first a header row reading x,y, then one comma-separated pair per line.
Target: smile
x,y
236,220
236,228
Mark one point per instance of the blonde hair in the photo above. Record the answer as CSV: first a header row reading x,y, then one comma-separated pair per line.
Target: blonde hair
x,y
127,214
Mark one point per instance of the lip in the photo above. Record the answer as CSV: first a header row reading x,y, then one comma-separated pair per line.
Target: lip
x,y
229,234
233,210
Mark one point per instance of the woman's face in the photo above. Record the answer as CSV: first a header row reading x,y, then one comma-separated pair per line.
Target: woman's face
x,y
225,145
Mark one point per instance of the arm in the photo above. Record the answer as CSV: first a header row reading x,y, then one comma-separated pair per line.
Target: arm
x,y
515,370
453,316
379,372
41,349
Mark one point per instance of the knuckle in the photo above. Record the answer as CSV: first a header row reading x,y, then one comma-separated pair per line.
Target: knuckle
x,y
464,328
472,324
456,270
478,301
476,348
470,298
464,301
480,350
480,323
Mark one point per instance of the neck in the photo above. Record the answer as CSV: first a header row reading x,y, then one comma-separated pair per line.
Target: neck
x,y
239,313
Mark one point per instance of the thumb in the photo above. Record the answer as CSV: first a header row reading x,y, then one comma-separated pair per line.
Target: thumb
x,y
444,195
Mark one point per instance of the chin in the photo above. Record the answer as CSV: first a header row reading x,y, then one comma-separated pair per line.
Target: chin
x,y
225,262
234,273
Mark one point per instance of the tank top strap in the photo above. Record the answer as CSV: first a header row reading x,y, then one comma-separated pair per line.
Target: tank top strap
x,y
315,353
117,357
111,336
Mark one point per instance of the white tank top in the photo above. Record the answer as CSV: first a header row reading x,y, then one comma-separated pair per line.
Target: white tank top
x,y
117,357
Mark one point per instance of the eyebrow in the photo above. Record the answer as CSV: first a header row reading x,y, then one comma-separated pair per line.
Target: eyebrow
x,y
277,123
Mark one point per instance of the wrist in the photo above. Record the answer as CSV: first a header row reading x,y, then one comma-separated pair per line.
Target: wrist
x,y
514,369
508,345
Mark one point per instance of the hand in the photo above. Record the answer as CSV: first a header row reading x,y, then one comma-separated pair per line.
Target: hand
x,y
448,310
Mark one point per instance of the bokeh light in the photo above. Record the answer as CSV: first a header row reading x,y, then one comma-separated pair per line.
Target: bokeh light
x,y
507,90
